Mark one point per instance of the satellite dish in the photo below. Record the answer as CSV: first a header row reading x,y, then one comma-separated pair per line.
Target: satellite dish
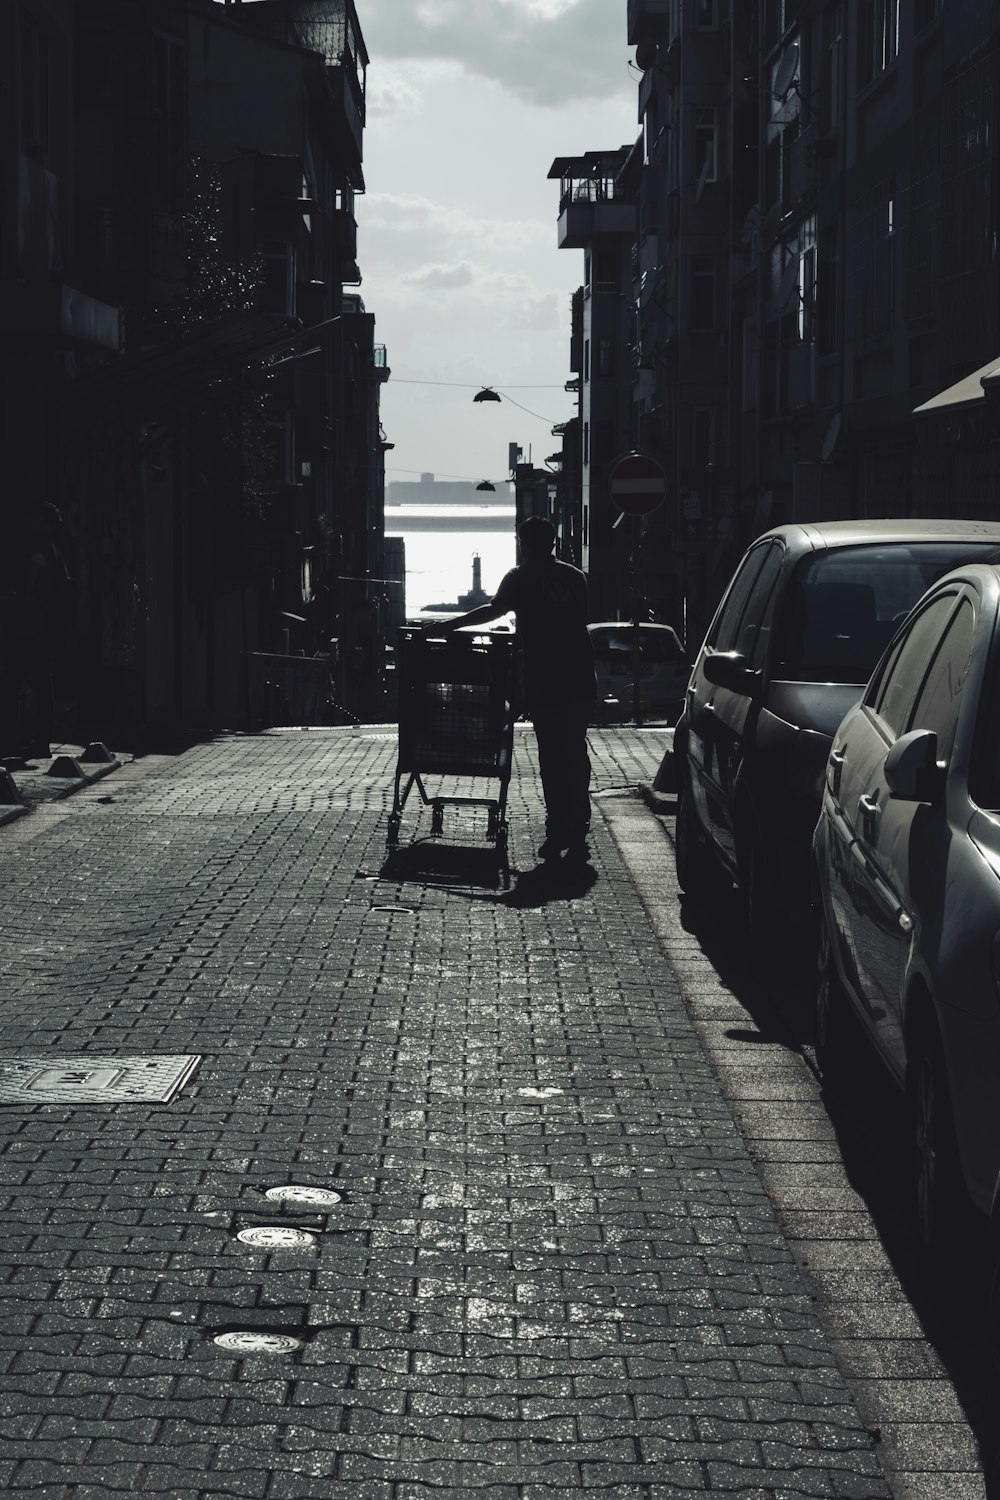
x,y
769,224
784,77
830,440
645,54
788,284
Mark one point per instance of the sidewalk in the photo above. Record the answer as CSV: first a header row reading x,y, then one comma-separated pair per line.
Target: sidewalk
x,y
552,1269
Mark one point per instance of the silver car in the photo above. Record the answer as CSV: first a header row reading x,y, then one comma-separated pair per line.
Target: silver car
x,y
798,633
907,862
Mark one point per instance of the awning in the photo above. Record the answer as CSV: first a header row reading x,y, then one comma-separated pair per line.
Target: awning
x,y
965,392
217,358
33,311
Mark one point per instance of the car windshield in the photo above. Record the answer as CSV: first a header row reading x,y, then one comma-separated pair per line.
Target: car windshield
x,y
654,645
844,605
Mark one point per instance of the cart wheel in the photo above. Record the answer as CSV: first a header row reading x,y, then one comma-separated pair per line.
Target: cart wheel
x,y
502,837
492,824
392,837
437,820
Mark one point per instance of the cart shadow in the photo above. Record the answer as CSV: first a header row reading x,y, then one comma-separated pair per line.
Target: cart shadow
x,y
448,866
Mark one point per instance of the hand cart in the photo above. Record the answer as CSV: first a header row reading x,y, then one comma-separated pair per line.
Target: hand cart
x,y
456,718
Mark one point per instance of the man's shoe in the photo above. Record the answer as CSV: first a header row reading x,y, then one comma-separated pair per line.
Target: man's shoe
x,y
578,852
550,848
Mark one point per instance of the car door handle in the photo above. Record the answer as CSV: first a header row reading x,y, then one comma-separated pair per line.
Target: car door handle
x,y
868,813
837,759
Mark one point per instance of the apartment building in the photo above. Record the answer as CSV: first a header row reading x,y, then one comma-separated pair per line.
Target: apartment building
x,y
204,398
817,221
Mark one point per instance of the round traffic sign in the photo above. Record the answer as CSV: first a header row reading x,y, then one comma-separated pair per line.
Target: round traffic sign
x,y
637,484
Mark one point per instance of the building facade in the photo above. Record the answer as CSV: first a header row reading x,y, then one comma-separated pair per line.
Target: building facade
x,y
817,221
186,173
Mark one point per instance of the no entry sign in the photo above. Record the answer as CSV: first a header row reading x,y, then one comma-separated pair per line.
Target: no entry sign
x,y
637,484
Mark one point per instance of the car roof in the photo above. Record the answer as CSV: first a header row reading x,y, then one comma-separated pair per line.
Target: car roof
x,y
809,536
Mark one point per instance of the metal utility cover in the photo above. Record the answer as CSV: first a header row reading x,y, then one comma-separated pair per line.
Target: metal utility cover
x,y
81,1078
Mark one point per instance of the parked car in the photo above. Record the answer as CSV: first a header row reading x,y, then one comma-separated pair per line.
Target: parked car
x,y
797,634
663,669
907,862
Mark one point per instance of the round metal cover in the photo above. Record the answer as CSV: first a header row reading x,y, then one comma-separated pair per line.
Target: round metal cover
x,y
276,1237
250,1341
310,1197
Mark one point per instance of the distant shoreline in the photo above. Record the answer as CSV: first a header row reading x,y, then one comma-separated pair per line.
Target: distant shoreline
x,y
400,519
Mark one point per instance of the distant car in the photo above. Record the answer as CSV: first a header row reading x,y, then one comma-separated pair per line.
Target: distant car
x,y
663,669
907,861
797,634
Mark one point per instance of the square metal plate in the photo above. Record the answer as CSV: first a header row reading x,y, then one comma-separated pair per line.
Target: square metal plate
x,y
82,1078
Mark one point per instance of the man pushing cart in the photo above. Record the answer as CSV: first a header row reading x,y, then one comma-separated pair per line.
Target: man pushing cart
x,y
549,601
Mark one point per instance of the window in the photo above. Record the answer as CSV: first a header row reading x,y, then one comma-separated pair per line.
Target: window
x,y
586,360
168,152
755,626
702,313
938,700
277,288
607,271
878,37
706,18
605,359
905,670
586,275
706,165
724,630
586,442
35,89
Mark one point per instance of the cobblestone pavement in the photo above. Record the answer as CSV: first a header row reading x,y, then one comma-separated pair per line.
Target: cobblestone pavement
x,y
553,1268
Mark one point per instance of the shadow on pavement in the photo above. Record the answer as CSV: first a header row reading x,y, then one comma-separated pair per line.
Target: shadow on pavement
x,y
869,1119
451,866
553,880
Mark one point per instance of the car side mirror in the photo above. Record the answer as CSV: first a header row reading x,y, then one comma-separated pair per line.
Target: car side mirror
x,y
912,771
728,669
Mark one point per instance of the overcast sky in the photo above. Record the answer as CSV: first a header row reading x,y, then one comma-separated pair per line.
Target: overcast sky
x,y
469,102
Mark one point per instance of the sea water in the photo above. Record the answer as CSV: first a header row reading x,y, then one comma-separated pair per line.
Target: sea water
x,y
441,541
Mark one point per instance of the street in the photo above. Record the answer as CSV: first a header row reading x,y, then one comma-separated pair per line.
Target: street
x,y
580,1216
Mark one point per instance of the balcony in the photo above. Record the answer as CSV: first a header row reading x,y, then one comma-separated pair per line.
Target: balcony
x,y
380,363
344,234
582,221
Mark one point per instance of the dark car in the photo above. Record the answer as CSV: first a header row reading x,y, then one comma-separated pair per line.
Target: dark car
x,y
907,859
803,623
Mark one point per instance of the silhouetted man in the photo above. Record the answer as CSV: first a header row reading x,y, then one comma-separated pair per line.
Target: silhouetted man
x,y
549,601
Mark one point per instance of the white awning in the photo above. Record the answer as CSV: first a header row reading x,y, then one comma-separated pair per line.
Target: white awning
x,y
965,392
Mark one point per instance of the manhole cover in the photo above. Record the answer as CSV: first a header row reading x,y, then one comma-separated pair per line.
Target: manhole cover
x,y
247,1341
547,1093
311,1197
276,1237
80,1078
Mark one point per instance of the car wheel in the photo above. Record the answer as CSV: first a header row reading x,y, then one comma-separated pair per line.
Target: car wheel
x,y
831,1016
695,872
937,1174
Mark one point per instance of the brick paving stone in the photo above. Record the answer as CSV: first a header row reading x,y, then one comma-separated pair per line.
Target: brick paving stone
x,y
554,1269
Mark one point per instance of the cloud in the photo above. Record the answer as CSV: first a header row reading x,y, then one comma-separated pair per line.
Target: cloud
x,y
546,52
411,231
536,315
440,278
391,92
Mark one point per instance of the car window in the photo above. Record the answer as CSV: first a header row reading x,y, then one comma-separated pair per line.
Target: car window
x,y
844,604
755,624
893,695
938,700
725,627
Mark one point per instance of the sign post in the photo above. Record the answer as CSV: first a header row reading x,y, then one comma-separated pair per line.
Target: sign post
x,y
637,484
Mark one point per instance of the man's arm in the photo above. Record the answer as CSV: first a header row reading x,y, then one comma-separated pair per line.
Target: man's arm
x,y
478,616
